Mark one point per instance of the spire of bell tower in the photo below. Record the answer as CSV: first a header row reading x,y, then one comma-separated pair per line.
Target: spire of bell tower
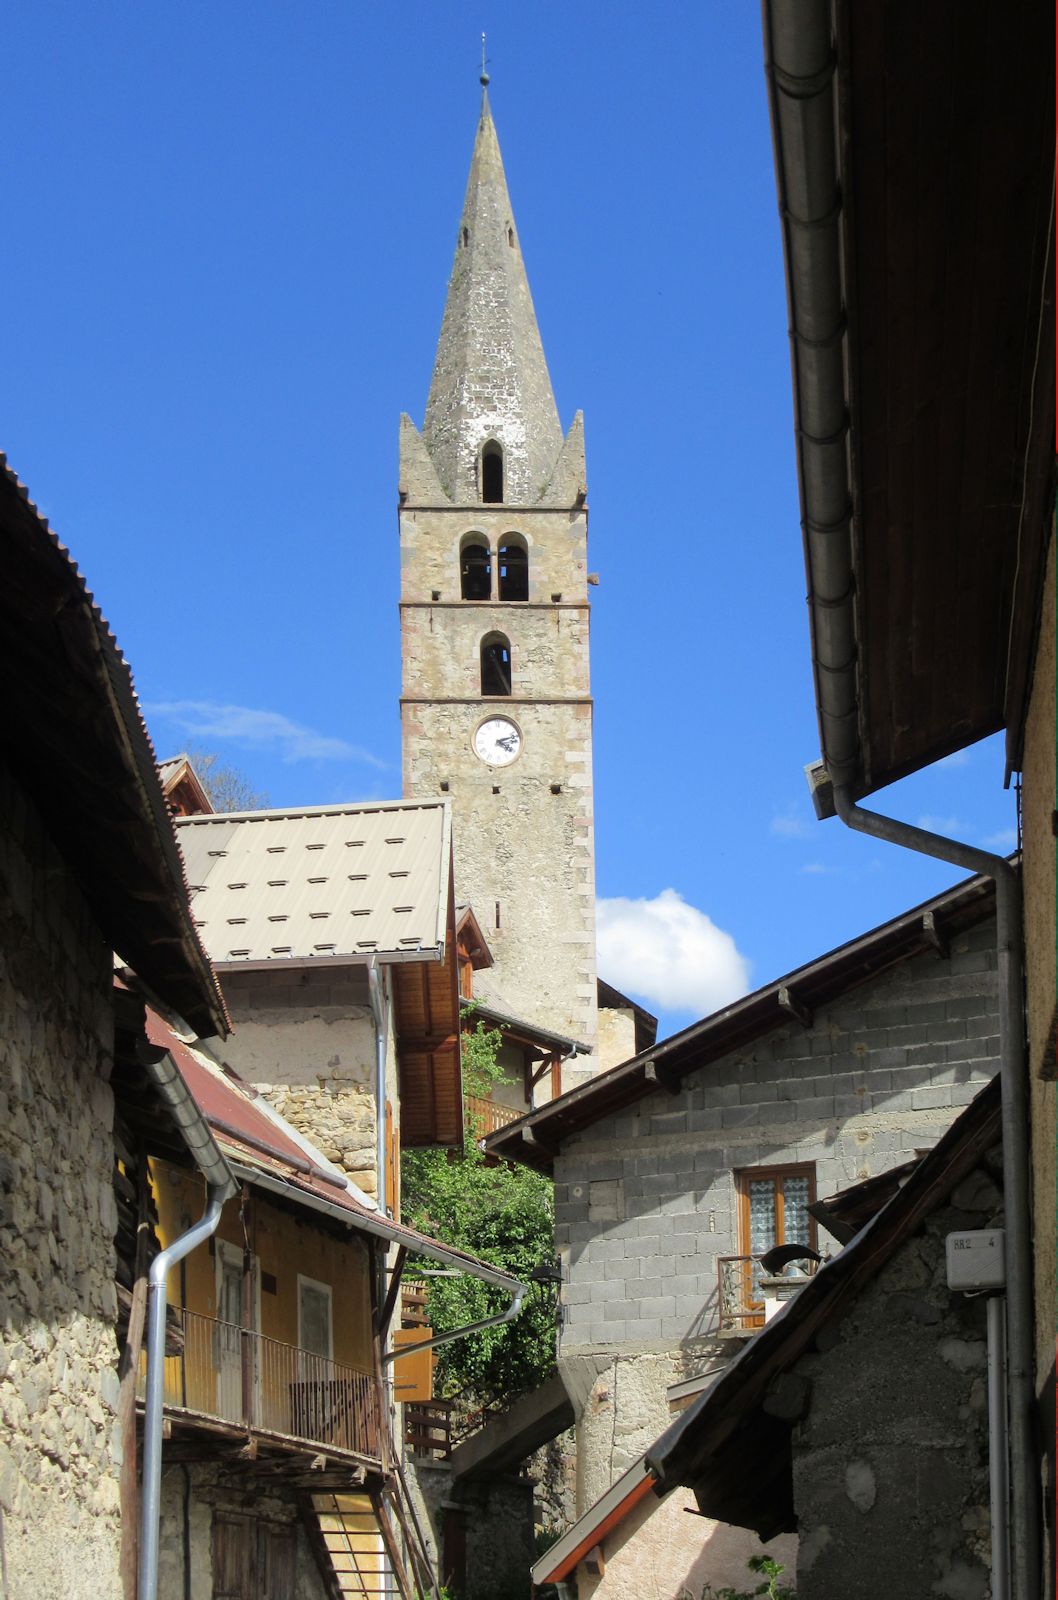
x,y
490,385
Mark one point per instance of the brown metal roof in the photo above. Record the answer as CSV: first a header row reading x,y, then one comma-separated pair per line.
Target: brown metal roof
x,y
75,740
321,884
725,1446
535,1138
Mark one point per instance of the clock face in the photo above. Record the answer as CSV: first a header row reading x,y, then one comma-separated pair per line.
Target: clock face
x,y
497,741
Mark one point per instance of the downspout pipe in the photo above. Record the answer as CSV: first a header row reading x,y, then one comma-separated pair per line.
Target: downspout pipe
x,y
1021,1391
376,990
150,1501
195,1131
518,1295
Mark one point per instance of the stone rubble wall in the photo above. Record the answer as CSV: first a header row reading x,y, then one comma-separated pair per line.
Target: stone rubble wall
x,y
59,1453
891,1459
305,1040
191,1496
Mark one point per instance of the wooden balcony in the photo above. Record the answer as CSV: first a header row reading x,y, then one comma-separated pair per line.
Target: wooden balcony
x,y
487,1116
259,1385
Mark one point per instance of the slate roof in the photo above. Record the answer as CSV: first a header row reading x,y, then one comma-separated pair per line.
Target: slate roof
x,y
321,884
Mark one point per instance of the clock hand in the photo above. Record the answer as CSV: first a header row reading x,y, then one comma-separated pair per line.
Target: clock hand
x,y
508,742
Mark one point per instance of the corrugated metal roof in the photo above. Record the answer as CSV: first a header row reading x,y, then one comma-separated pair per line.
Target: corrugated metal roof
x,y
321,884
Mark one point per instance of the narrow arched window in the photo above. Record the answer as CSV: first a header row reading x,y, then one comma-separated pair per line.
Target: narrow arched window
x,y
495,664
475,569
514,568
492,473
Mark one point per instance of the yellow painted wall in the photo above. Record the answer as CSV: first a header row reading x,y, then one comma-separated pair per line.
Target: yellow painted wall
x,y
285,1246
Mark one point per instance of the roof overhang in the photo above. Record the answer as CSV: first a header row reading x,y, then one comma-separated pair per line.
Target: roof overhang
x,y
608,1512
728,1447
536,1138
76,742
915,162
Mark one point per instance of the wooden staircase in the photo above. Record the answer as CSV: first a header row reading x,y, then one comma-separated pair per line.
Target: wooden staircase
x,y
368,1543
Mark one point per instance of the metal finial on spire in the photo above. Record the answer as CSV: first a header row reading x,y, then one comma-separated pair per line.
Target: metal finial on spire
x,y
484,74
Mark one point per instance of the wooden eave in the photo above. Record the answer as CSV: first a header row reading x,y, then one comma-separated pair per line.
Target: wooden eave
x,y
945,134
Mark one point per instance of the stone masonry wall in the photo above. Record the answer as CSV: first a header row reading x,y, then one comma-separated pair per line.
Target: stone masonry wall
x,y
891,1460
191,1497
59,1454
645,1202
524,834
306,1041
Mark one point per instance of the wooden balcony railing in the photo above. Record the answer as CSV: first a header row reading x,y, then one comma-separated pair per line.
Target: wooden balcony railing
x,y
488,1116
244,1378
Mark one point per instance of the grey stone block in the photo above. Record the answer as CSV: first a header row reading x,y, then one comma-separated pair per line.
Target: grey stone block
x,y
972,961
705,1121
740,1116
891,1056
929,1099
662,1305
720,1094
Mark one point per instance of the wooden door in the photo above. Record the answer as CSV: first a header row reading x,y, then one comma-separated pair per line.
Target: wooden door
x,y
252,1560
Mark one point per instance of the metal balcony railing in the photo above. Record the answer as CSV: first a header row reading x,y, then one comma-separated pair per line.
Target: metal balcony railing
x,y
738,1293
244,1378
488,1116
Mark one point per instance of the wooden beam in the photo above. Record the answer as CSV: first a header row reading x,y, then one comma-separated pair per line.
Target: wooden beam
x,y
663,1077
393,1291
793,1007
932,935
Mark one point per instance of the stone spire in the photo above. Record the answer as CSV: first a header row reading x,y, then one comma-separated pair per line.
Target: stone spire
x,y
490,378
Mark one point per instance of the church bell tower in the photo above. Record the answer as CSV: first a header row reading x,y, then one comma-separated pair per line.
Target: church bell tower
x,y
496,706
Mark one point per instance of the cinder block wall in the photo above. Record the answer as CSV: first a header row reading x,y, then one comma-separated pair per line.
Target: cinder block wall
x,y
59,1457
645,1202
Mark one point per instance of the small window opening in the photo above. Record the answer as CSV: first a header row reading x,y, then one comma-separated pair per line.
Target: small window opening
x,y
510,237
492,474
514,569
556,788
495,664
475,572
466,237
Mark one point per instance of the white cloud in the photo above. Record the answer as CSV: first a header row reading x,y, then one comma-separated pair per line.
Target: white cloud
x,y
958,758
206,722
790,826
952,827
669,953
1005,839
816,867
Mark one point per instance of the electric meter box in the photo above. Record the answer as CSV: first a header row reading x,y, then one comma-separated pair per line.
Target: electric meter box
x,y
976,1260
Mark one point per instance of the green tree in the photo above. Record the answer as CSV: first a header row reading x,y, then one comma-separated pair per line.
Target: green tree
x,y
502,1214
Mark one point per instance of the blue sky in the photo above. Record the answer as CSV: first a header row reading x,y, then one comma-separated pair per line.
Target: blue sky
x,y
230,231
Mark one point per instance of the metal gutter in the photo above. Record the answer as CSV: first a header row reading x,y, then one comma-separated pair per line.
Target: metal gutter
x,y
1017,1177
380,1013
800,64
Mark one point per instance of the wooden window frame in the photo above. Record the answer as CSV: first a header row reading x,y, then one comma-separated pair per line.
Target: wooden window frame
x,y
328,1291
744,1176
